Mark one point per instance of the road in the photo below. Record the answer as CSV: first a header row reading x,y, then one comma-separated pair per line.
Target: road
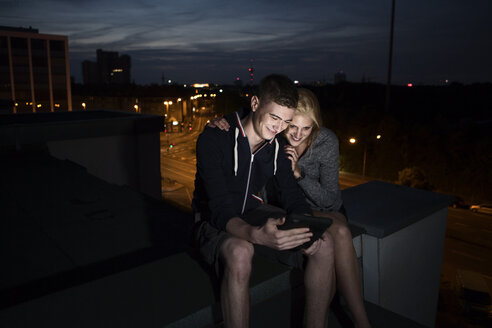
x,y
467,246
178,163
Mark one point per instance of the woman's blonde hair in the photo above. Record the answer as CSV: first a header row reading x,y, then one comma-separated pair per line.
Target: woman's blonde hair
x,y
308,105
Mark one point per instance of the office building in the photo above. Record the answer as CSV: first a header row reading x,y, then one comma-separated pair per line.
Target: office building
x,y
34,70
110,68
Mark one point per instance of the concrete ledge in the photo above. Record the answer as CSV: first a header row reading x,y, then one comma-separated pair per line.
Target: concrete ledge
x,y
176,291
118,147
390,207
402,246
34,128
171,292
357,239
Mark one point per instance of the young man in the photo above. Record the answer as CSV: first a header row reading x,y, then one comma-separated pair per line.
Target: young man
x,y
232,168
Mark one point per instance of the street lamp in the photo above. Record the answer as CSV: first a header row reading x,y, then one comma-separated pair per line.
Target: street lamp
x,y
354,141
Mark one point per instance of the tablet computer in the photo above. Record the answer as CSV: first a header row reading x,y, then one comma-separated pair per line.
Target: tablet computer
x,y
317,225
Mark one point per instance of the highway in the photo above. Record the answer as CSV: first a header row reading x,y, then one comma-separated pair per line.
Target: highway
x,y
178,163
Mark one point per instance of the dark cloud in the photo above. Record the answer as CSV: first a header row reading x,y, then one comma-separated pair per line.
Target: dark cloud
x,y
215,40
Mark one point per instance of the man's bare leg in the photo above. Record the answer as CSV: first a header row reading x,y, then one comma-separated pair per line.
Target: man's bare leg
x,y
319,280
237,255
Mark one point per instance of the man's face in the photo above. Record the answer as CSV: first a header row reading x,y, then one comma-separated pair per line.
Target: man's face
x,y
270,119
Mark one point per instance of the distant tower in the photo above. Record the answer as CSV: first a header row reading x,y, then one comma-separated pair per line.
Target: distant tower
x,y
238,83
340,77
251,72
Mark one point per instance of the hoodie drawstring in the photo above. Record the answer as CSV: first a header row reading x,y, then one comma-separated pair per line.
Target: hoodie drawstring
x,y
235,151
236,134
275,159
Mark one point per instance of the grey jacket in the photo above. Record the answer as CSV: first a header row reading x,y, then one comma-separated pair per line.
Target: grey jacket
x,y
319,171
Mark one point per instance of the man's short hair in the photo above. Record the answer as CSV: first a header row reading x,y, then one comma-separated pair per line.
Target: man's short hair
x,y
279,89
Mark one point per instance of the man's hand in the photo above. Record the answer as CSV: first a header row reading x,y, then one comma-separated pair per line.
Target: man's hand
x,y
269,235
219,122
294,157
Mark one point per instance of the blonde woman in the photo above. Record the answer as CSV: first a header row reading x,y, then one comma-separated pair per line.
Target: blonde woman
x,y
313,151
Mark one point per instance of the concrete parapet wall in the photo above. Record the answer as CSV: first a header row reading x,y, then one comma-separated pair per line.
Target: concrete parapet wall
x,y
120,148
402,247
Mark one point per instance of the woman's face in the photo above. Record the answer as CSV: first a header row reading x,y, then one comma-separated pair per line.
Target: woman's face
x,y
299,129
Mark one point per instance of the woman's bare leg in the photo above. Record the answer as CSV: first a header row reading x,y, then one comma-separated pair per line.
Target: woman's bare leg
x,y
319,280
347,269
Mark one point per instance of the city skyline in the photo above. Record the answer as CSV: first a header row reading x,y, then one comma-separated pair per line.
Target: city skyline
x,y
215,41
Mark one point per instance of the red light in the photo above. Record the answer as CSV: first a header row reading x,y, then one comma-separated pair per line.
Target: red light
x,y
190,128
410,85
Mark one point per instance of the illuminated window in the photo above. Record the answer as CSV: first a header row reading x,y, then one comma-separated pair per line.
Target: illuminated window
x,y
201,85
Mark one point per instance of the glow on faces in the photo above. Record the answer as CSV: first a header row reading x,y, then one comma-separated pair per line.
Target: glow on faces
x,y
299,130
271,119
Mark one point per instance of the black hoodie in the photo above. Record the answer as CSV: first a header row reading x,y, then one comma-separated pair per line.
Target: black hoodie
x,y
229,177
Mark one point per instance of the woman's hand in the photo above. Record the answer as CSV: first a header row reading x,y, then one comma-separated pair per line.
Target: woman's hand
x,y
294,157
313,248
219,122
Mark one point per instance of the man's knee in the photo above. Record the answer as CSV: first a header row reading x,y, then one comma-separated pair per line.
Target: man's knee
x,y
237,255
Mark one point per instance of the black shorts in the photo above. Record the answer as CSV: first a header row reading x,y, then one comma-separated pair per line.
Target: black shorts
x,y
208,240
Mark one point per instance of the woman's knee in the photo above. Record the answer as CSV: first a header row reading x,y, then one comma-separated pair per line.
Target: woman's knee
x,y
341,232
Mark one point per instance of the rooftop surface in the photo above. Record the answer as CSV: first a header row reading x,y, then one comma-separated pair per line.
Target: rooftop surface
x,y
62,226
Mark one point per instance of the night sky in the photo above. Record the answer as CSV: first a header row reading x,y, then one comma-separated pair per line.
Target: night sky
x,y
214,41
